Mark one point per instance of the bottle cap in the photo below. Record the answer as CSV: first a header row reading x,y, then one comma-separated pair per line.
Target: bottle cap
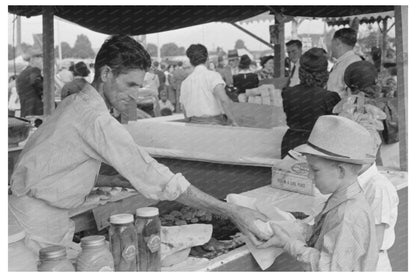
x,y
91,241
121,218
52,252
147,212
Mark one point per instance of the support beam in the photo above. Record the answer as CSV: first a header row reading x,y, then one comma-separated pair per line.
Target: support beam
x,y
251,34
48,61
279,48
400,14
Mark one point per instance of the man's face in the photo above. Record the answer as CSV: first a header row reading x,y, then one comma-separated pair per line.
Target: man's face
x,y
117,90
294,53
324,173
233,62
335,45
37,61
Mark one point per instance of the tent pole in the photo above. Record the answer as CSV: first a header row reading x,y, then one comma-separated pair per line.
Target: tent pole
x,y
48,61
400,14
279,48
251,34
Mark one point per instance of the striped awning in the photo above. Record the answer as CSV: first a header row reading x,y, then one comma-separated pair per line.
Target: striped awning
x,y
363,18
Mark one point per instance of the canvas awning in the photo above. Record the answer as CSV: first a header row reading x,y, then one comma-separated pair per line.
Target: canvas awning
x,y
362,18
138,20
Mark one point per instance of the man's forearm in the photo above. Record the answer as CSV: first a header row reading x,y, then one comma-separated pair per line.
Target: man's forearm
x,y
198,199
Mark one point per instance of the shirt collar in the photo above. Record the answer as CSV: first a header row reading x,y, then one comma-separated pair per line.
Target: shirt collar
x,y
345,56
366,175
341,196
200,67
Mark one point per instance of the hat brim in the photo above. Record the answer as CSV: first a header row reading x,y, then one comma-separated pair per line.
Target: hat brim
x,y
306,149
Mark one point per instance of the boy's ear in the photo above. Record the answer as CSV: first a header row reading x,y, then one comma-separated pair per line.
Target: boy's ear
x,y
105,73
341,171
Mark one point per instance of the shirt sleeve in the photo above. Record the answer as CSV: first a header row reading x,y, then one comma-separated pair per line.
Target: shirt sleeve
x,y
384,203
111,143
342,249
216,80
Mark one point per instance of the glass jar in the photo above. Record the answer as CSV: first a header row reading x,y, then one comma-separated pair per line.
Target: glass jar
x,y
20,257
53,258
123,242
95,255
148,236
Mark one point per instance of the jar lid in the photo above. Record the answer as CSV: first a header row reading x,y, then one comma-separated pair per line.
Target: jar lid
x,y
52,252
92,241
121,218
147,212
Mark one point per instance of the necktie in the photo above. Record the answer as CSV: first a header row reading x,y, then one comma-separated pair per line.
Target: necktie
x,y
317,227
291,75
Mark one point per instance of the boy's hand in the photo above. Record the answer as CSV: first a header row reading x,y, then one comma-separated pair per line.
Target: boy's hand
x,y
279,239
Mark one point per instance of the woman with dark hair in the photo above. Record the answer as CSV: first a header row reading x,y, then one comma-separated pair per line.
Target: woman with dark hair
x,y
80,71
245,79
304,103
203,93
267,64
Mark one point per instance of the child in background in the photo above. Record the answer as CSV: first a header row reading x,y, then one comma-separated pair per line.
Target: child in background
x,y
164,102
343,237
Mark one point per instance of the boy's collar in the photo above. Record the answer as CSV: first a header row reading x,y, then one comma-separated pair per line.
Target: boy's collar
x,y
342,195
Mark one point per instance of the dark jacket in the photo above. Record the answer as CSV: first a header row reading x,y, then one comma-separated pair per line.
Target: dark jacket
x,y
303,105
29,85
245,81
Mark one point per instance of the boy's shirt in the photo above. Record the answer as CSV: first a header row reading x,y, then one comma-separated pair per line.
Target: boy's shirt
x,y
347,238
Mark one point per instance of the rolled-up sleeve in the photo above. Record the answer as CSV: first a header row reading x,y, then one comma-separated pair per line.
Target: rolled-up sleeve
x,y
111,143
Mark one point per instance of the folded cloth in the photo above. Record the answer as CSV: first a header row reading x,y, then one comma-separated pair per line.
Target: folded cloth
x,y
266,257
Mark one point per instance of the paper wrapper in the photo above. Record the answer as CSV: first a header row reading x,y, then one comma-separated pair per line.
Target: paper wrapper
x,y
266,257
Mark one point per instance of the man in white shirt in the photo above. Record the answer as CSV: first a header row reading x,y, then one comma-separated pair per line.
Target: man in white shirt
x,y
60,162
294,51
202,93
342,50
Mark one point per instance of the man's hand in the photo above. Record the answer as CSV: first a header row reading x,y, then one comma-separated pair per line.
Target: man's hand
x,y
244,218
279,239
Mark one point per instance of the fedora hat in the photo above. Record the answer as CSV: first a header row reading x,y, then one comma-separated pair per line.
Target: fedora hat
x,y
340,139
232,54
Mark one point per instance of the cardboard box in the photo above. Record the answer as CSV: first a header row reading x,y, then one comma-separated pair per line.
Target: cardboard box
x,y
291,174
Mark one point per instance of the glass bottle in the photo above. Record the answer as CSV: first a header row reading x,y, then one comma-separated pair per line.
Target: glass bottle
x,y
148,236
95,255
53,258
123,242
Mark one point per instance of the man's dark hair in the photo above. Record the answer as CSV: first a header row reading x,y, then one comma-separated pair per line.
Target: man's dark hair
x,y
122,53
295,42
197,54
180,63
347,36
156,64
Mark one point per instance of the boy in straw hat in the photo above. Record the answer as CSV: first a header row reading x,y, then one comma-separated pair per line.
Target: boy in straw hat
x,y
343,237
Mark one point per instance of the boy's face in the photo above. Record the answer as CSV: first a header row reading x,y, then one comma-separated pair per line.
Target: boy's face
x,y
324,174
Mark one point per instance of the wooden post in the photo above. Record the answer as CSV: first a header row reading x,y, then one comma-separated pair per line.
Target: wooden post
x,y
48,61
400,14
279,48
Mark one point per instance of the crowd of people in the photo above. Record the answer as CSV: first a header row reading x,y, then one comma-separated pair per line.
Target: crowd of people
x,y
334,119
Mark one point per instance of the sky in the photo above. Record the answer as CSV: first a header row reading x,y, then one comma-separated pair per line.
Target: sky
x,y
211,35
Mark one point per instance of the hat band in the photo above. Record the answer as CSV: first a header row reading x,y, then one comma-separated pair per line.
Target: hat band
x,y
326,151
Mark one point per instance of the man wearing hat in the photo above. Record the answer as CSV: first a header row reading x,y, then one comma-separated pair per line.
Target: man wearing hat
x,y
29,85
231,69
342,46
304,103
343,237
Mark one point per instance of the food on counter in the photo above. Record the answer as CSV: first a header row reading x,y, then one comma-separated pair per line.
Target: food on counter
x,y
148,236
123,242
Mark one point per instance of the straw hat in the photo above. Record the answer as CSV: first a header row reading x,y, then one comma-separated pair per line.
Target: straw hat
x,y
340,139
232,54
